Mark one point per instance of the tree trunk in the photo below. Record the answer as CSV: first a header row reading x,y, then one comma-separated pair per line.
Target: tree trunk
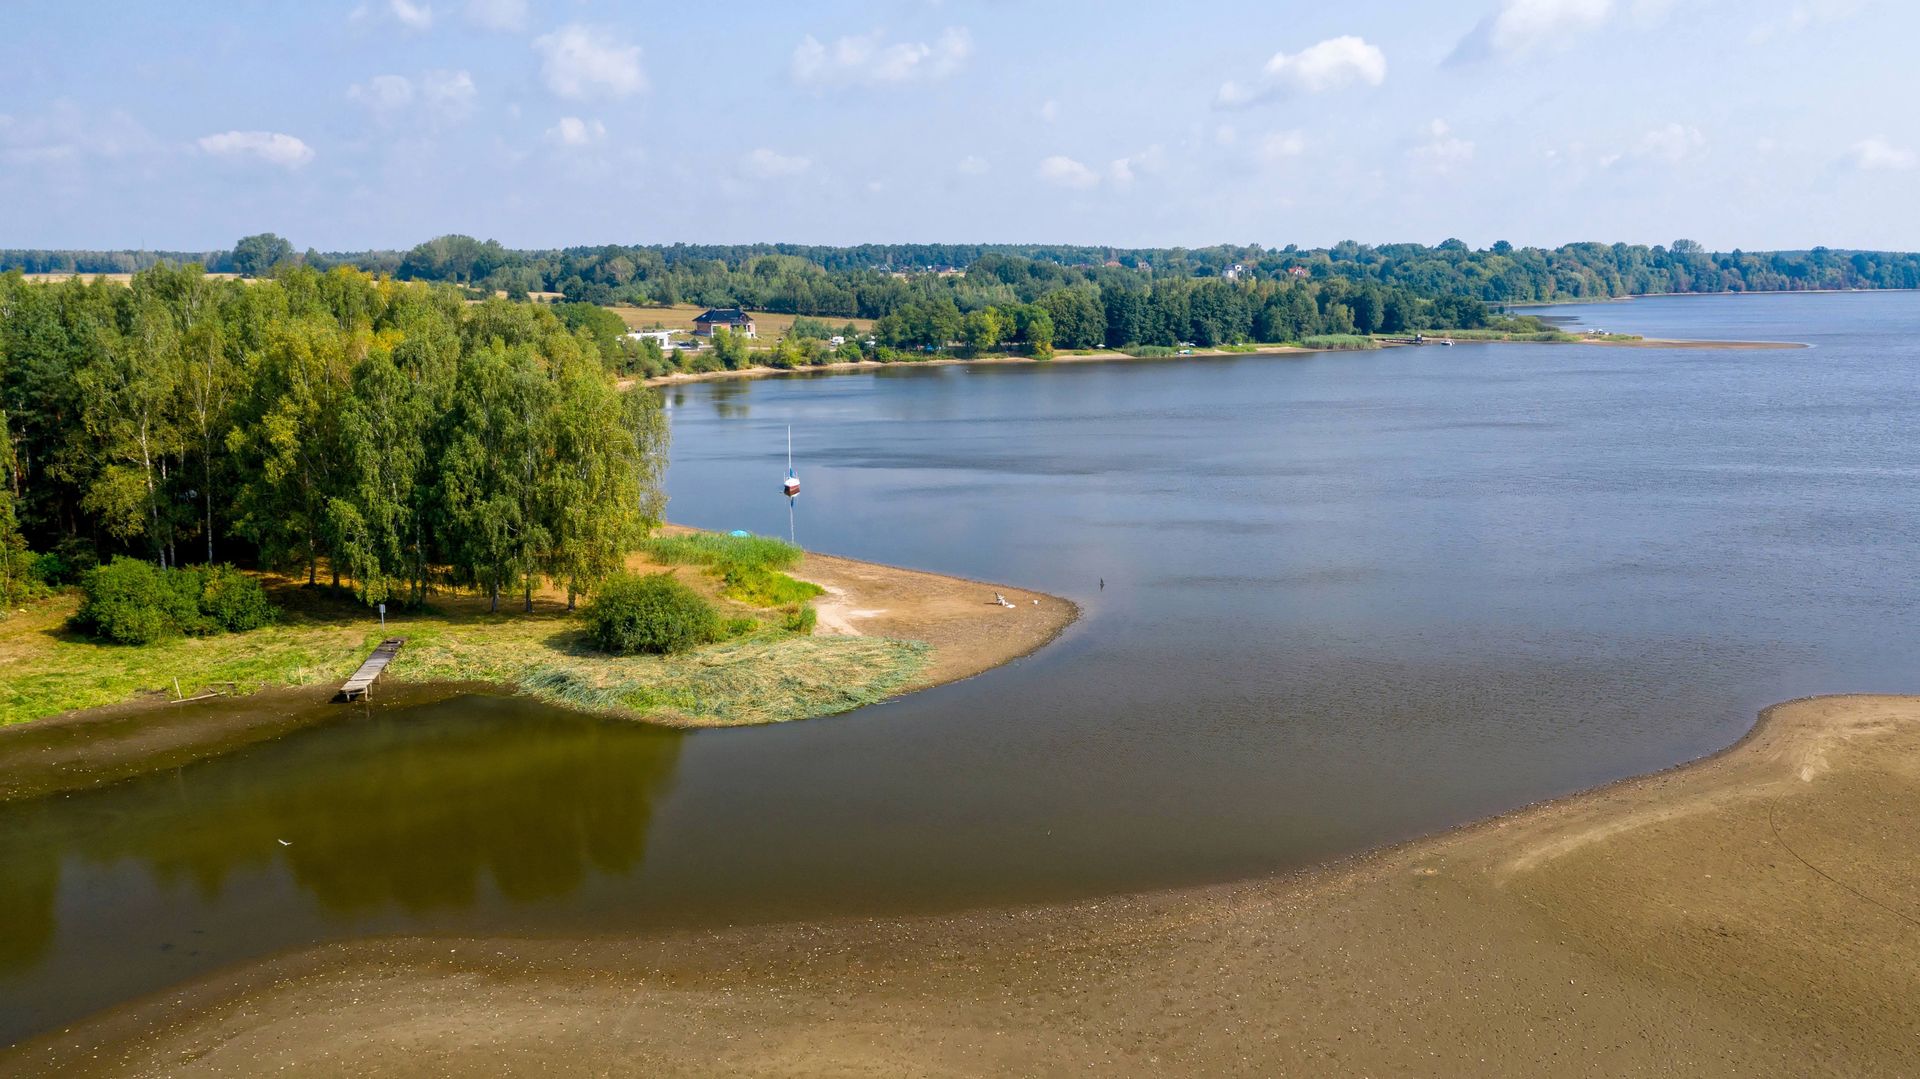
x,y
529,597
570,597
496,598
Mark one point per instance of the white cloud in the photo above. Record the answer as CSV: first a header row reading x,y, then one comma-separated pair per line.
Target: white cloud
x,y
573,131
872,60
973,165
1443,151
1062,171
272,147
1672,143
1521,26
1877,154
582,62
768,164
414,16
436,95
1332,64
498,14
67,133
1049,110
408,13
383,93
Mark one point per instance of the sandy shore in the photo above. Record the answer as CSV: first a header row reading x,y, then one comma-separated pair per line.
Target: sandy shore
x,y
1754,913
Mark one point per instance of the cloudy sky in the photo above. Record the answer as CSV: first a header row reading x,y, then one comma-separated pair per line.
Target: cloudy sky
x,y
378,123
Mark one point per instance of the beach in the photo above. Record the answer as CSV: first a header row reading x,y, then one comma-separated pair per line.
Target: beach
x,y
1748,913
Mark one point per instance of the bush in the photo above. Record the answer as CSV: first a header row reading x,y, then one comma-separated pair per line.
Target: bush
x,y
799,620
723,553
654,614
234,601
129,601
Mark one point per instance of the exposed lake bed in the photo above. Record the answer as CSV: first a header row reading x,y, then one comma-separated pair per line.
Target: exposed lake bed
x,y
1331,602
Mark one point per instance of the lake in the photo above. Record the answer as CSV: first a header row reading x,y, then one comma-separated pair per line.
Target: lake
x,y
1330,602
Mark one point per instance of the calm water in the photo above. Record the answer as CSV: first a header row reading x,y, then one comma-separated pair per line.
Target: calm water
x,y
1349,599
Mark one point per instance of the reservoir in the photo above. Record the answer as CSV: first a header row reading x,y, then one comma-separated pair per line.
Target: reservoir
x,y
1329,602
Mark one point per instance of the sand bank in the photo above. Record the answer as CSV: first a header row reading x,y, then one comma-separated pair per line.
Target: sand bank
x,y
1753,913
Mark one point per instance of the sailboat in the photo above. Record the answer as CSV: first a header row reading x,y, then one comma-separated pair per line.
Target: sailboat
x,y
792,485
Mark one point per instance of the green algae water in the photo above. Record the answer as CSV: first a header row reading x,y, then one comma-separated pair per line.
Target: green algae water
x,y
1348,599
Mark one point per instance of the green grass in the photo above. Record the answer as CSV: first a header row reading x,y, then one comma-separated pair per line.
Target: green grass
x,y
721,551
1339,341
757,586
748,566
769,669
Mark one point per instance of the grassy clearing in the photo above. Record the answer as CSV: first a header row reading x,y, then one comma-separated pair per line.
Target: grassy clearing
x,y
1339,341
769,669
748,567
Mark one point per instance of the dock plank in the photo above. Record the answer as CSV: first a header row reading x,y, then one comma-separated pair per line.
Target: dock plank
x,y
356,686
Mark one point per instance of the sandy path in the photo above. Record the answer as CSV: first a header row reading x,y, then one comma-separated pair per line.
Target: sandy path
x,y
1751,914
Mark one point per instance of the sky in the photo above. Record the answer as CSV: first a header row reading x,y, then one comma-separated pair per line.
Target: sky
x,y
1752,124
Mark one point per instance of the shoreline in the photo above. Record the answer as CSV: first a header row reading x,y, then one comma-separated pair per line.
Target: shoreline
x,y
964,632
681,378
1676,919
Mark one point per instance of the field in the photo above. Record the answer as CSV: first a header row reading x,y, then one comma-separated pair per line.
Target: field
x,y
112,278
769,327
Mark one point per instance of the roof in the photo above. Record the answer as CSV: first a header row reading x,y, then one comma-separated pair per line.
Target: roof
x,y
730,315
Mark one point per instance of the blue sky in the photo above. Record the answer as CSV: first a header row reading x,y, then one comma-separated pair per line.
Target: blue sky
x,y
379,123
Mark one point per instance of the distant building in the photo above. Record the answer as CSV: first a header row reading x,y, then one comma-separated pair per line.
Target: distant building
x,y
1234,272
663,337
1299,271
727,318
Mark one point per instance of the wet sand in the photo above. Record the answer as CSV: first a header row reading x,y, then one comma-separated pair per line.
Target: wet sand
x,y
1753,913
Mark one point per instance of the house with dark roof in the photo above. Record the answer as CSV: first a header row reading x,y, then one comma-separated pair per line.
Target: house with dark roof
x,y
728,318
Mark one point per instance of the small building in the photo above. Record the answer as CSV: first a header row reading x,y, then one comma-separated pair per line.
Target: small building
x,y
664,338
1299,271
723,318
1234,272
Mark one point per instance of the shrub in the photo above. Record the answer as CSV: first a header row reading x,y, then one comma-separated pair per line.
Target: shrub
x,y
800,619
654,614
723,552
129,601
234,601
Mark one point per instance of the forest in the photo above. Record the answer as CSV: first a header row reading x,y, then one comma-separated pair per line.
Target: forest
x,y
874,280
390,434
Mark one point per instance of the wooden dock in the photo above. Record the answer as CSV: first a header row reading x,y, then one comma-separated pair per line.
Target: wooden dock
x,y
357,687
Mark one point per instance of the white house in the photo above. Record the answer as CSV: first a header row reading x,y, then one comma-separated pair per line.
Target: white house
x,y
662,337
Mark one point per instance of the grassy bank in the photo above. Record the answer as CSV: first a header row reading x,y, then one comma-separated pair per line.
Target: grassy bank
x,y
770,669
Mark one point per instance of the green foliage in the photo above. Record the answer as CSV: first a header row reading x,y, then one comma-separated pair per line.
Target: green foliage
x,y
129,601
653,614
723,552
1150,351
758,586
233,600
1339,342
731,349
254,255
799,619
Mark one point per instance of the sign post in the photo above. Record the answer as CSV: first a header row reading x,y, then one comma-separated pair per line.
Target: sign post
x,y
383,616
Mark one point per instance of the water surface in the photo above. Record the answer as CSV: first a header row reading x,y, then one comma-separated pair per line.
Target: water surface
x,y
1347,599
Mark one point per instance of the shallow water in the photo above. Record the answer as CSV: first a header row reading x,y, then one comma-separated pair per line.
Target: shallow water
x,y
1348,599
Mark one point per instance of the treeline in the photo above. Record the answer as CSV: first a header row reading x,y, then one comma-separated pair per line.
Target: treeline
x,y
391,432
1128,313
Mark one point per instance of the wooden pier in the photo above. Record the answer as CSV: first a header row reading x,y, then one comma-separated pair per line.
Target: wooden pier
x,y
357,687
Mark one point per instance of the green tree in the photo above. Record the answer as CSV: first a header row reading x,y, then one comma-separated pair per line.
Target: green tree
x,y
255,255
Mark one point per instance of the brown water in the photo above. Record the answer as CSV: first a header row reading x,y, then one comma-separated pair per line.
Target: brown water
x,y
1348,599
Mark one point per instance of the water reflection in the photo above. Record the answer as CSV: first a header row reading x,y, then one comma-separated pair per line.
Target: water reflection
x,y
462,804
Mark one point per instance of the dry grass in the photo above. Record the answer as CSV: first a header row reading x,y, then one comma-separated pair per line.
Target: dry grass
x,y
680,316
112,278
